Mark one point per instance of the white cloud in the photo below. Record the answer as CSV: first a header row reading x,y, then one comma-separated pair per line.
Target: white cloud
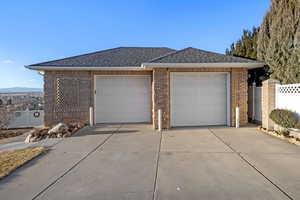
x,y
8,61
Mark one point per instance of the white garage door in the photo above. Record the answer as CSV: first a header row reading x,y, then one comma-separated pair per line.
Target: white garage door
x,y
199,99
122,99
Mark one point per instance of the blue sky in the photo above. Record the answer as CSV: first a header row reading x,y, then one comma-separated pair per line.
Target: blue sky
x,y
33,31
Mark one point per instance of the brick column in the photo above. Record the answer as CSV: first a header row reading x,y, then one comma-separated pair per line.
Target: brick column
x,y
49,96
268,102
160,97
239,95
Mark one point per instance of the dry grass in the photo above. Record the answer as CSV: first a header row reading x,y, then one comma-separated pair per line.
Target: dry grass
x,y
11,160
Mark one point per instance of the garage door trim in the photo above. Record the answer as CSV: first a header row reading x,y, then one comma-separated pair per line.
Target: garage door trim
x,y
228,92
120,75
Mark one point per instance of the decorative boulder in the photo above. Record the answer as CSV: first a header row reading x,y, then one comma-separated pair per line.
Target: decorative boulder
x,y
29,136
61,127
60,130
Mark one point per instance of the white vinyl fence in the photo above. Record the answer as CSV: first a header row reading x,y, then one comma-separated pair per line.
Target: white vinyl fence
x,y
254,103
27,118
288,97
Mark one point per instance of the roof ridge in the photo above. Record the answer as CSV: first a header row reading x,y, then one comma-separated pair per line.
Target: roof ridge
x,y
153,47
170,53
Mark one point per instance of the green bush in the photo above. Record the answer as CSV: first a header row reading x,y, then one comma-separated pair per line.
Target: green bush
x,y
284,118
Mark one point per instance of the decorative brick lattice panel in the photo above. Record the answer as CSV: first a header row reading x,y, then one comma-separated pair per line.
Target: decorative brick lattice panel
x,y
289,89
59,96
67,95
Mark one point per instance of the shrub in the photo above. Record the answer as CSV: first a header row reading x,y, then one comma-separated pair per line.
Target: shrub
x,y
284,118
285,133
297,125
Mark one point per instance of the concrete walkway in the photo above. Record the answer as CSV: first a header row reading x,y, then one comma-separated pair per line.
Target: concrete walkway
x,y
134,162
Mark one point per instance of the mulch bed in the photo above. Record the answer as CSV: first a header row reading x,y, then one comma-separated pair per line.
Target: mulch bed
x,y
280,136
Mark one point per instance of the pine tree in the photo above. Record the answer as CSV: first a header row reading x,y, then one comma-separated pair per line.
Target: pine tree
x,y
279,40
246,46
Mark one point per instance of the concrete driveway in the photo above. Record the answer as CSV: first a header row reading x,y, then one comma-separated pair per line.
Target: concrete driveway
x,y
134,162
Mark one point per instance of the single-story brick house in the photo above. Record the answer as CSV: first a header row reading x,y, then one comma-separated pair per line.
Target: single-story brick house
x,y
192,87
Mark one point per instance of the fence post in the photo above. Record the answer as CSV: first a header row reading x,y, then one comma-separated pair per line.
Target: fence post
x,y
268,102
276,95
253,100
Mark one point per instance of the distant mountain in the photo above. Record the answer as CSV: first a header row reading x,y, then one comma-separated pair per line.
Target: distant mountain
x,y
20,89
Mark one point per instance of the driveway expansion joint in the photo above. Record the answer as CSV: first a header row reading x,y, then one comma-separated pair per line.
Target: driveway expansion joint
x,y
157,167
251,165
77,163
196,152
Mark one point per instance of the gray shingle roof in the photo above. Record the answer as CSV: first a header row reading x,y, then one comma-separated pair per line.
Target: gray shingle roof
x,y
116,57
135,56
193,55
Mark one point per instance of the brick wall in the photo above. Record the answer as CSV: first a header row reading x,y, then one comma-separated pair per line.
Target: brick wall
x,y
268,102
160,97
67,96
239,95
161,92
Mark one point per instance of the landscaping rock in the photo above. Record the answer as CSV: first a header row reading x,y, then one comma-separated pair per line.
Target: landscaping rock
x,y
295,134
34,139
60,130
61,127
29,136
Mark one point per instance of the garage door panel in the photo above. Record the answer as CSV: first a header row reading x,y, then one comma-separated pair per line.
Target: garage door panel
x,y
121,99
198,99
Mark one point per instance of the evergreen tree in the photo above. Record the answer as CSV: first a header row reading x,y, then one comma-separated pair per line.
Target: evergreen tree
x,y
246,46
279,40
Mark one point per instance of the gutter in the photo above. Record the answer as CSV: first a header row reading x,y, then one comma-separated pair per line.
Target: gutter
x,y
88,68
203,65
150,66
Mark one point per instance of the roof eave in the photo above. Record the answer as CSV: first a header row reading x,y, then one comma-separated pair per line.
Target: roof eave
x,y
149,66
86,68
203,65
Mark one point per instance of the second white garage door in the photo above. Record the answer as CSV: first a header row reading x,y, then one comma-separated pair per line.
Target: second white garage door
x,y
199,98
122,99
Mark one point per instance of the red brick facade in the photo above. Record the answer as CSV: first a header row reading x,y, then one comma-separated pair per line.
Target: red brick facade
x,y
69,94
268,102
